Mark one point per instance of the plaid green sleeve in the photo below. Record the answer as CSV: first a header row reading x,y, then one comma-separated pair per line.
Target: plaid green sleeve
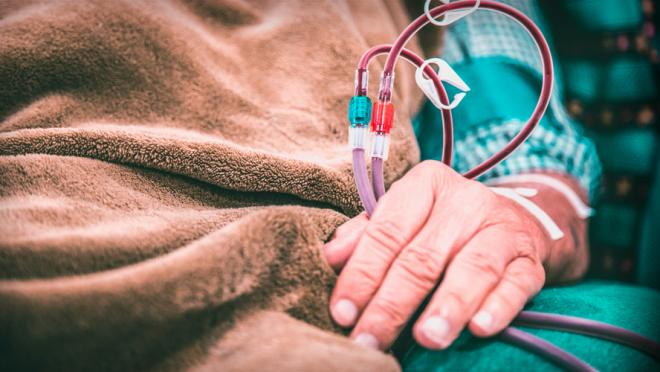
x,y
500,62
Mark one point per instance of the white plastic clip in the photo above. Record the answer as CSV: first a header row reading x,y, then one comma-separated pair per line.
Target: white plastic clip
x,y
446,74
450,17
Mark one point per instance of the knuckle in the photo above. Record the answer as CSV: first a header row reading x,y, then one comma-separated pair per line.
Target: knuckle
x,y
478,188
525,276
430,166
389,313
520,288
363,281
536,279
523,230
428,169
386,234
483,262
509,304
455,297
421,264
526,284
507,211
539,275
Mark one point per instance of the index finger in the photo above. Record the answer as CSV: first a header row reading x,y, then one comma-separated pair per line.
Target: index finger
x,y
400,214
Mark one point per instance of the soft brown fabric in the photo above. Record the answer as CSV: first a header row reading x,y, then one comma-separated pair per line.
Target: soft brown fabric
x,y
169,171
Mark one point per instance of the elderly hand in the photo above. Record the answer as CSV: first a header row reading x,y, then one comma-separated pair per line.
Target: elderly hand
x,y
484,253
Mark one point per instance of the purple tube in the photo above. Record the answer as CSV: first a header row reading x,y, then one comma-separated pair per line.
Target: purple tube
x,y
362,181
545,349
377,177
525,318
369,194
590,328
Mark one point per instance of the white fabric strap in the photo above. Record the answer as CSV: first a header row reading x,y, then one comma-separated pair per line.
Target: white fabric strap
x,y
582,210
516,194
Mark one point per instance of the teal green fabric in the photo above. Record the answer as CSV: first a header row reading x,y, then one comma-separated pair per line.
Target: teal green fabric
x,y
500,90
501,64
650,240
615,225
634,308
638,145
502,97
610,86
488,78
626,78
606,14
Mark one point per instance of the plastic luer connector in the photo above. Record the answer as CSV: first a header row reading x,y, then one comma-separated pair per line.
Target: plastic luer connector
x,y
358,137
380,145
382,117
361,81
359,111
386,86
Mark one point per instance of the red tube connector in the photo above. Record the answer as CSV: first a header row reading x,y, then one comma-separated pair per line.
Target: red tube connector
x,y
382,117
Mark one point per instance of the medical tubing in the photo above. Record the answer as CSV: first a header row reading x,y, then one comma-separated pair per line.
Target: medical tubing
x,y
556,321
535,319
362,182
447,122
545,349
377,180
369,195
377,163
376,170
415,60
537,36
590,328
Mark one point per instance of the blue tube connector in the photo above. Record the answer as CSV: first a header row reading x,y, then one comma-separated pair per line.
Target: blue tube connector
x,y
359,117
359,111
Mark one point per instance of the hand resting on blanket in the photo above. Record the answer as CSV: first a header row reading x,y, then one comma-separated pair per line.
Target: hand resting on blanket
x,y
480,255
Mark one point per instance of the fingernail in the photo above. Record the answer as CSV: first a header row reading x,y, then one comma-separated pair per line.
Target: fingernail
x,y
436,329
483,320
345,313
366,339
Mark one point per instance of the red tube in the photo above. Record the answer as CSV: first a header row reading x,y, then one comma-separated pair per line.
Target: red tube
x,y
552,321
415,60
546,59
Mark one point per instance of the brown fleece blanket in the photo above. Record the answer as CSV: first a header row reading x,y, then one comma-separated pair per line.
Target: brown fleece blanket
x,y
169,172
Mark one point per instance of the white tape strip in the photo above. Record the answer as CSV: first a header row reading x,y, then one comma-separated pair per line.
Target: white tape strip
x,y
550,226
581,209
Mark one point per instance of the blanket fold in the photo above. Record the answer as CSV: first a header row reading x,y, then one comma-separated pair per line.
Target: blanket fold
x,y
169,172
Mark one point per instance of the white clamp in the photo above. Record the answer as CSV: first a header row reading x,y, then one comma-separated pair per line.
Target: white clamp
x,y
445,74
450,17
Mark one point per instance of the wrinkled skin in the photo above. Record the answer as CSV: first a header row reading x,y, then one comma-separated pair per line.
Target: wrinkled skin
x,y
486,254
